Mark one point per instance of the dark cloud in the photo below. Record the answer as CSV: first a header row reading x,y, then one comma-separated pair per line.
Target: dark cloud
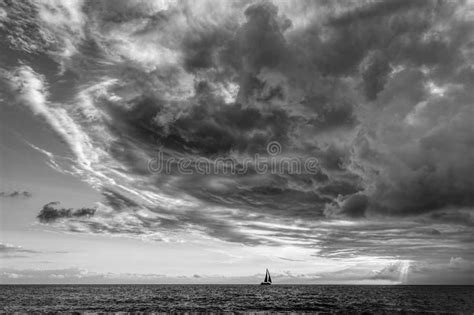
x,y
355,206
200,48
260,39
378,92
51,212
375,69
15,194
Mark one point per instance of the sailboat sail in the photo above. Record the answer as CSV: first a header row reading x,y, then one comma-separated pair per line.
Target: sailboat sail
x,y
268,279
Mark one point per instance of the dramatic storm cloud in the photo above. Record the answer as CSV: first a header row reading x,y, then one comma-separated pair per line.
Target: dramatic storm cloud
x,y
380,93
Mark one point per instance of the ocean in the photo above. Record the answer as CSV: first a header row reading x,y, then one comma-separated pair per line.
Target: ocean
x,y
297,299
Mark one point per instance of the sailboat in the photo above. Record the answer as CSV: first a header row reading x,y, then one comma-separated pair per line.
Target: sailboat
x,y
268,279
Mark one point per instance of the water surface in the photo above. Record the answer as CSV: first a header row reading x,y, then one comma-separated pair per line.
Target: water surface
x,y
237,298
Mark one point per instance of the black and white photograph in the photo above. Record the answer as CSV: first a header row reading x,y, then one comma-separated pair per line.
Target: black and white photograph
x,y
237,156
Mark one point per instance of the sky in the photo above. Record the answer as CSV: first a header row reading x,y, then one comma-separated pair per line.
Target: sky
x,y
203,141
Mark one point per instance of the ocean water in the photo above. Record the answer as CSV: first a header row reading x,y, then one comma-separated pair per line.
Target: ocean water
x,y
237,298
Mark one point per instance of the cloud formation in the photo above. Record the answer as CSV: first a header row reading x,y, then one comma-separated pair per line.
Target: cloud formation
x,y
15,194
51,212
379,92
8,251
7,248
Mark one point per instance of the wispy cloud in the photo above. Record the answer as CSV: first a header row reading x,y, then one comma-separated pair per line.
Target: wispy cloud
x,y
12,251
8,248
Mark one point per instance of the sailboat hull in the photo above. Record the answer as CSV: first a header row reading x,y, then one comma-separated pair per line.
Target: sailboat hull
x,y
265,283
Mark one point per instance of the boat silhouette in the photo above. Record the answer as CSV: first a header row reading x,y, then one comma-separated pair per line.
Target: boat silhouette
x,y
268,279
